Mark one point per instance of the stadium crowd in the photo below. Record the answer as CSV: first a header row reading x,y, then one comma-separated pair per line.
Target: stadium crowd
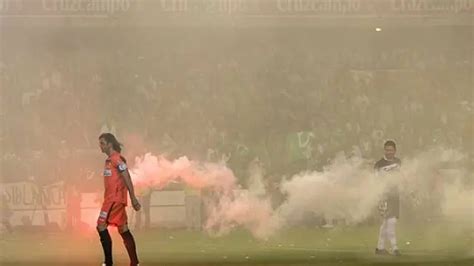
x,y
291,100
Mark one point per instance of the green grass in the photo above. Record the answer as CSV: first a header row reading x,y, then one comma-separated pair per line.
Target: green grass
x,y
429,245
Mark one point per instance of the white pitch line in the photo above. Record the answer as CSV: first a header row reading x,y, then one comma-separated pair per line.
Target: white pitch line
x,y
353,250
314,249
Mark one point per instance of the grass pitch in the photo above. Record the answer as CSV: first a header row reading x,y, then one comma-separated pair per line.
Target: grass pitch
x,y
423,245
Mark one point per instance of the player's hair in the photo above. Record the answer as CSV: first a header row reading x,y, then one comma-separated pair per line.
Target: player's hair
x,y
110,138
390,143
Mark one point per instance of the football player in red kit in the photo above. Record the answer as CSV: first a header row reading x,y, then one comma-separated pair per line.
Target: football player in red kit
x,y
117,183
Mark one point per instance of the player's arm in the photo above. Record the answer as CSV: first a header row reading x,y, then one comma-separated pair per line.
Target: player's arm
x,y
123,170
376,168
128,183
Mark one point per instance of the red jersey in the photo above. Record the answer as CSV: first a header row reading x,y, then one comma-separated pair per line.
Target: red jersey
x,y
115,188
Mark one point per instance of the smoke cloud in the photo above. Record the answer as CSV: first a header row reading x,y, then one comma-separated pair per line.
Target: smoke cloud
x,y
348,189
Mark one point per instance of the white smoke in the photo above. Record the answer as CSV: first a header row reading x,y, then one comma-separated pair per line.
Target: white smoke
x,y
250,208
157,172
227,206
348,189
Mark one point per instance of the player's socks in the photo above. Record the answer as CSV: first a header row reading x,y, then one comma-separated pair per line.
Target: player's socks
x,y
129,242
107,246
391,234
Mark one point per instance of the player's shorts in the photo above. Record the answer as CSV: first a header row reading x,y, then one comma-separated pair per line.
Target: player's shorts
x,y
112,213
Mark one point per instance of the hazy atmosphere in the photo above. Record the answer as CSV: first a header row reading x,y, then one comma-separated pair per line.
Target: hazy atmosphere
x,y
242,122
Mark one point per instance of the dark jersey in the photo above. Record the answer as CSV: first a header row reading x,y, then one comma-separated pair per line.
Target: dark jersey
x,y
390,204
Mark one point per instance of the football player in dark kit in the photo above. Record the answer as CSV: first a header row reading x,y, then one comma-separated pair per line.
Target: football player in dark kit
x,y
389,207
